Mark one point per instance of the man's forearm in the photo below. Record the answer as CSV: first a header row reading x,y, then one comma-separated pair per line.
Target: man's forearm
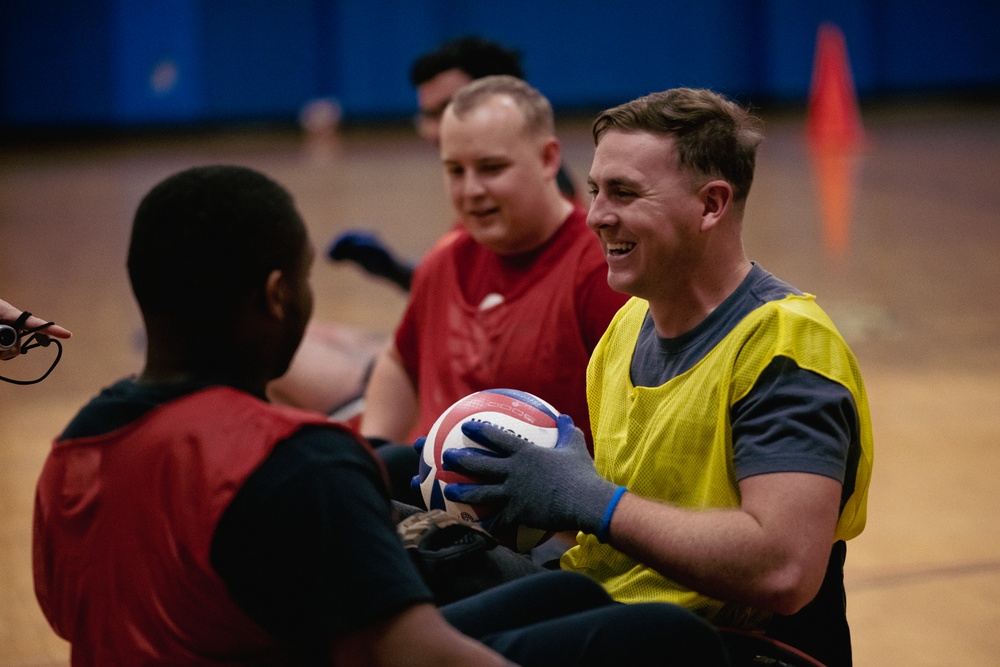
x,y
391,402
771,556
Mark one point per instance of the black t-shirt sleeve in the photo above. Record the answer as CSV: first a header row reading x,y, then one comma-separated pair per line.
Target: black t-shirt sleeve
x,y
308,547
794,420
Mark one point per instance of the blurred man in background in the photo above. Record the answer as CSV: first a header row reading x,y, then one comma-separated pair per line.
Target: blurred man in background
x,y
333,364
515,296
436,75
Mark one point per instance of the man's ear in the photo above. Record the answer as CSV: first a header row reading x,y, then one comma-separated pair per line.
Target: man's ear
x,y
552,156
275,294
716,197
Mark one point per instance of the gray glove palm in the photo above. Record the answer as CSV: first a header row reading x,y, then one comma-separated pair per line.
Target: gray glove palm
x,y
551,489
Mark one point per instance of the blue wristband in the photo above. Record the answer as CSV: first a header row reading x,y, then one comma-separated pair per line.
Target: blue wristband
x,y
605,527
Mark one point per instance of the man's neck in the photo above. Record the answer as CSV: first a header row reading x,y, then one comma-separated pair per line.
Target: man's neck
x,y
685,307
164,368
557,210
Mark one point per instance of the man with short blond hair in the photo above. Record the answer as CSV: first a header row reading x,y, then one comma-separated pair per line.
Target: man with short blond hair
x,y
516,296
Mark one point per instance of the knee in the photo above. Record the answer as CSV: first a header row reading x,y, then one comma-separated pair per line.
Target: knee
x,y
575,590
676,632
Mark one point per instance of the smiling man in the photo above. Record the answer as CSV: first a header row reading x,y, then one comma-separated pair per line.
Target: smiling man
x,y
732,438
436,76
517,295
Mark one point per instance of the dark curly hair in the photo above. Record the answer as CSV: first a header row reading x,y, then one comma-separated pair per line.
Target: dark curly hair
x,y
475,56
205,238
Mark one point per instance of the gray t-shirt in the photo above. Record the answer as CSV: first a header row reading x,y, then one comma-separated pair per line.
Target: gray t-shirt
x,y
792,420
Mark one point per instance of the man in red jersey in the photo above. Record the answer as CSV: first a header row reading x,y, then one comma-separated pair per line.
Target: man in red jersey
x,y
167,510
436,76
517,295
330,371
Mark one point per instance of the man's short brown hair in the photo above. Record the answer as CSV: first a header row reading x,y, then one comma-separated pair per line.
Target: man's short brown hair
x,y
713,135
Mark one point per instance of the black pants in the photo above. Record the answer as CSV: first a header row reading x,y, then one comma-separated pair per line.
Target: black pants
x,y
563,618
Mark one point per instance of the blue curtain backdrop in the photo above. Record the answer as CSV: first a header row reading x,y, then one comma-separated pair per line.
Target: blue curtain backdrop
x,y
154,62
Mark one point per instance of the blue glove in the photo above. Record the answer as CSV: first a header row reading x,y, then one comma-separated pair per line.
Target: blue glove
x,y
551,489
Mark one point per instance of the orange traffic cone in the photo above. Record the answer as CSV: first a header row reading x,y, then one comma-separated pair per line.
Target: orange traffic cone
x,y
835,134
834,119
835,172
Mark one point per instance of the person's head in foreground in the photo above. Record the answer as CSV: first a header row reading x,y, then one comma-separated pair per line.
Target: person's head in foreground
x,y
219,263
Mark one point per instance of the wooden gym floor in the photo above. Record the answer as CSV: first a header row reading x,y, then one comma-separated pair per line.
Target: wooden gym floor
x,y
909,275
